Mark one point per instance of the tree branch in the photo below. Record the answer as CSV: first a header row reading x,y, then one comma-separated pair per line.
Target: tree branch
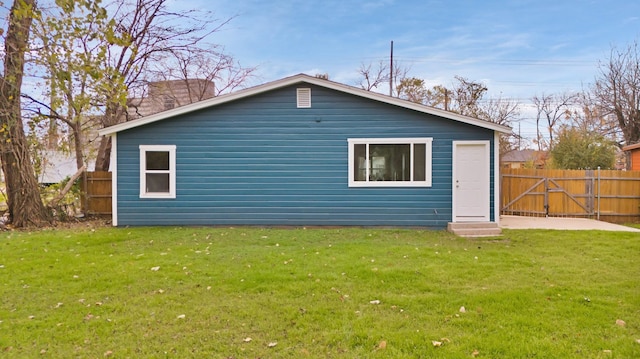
x,y
54,202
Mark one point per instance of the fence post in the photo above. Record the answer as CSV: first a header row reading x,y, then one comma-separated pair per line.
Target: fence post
x,y
546,196
598,215
590,194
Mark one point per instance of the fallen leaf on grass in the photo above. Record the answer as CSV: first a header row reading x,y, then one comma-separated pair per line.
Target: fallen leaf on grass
x,y
620,322
382,345
439,343
475,353
108,353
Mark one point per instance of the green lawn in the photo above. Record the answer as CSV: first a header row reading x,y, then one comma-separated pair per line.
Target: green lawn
x,y
318,293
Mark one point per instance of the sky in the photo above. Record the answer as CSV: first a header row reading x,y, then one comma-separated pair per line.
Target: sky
x,y
517,48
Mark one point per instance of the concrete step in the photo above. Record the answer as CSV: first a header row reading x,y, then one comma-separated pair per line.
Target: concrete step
x,y
474,229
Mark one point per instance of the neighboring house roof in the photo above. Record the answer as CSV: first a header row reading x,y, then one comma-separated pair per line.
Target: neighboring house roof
x,y
56,166
631,147
520,156
301,78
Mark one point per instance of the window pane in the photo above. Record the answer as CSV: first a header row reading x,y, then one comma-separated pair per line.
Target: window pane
x,y
157,160
390,162
360,162
157,182
419,160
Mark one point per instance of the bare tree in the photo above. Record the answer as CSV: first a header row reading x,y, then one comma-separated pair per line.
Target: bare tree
x,y
463,97
399,73
155,34
373,77
552,109
617,90
502,111
466,96
588,117
220,69
23,196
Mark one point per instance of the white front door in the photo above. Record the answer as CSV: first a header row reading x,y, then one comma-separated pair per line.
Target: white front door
x,y
471,181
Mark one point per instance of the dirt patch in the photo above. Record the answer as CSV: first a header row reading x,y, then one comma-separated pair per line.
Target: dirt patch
x,y
73,223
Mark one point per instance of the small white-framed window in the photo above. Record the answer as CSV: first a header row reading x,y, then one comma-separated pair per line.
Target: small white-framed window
x,y
157,171
390,162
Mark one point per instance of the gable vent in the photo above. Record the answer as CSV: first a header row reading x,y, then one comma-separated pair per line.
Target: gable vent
x,y
304,97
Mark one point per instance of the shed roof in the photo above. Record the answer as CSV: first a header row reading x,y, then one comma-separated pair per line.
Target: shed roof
x,y
631,147
292,80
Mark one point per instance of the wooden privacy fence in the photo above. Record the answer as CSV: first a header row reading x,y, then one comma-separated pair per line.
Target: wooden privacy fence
x,y
96,190
608,195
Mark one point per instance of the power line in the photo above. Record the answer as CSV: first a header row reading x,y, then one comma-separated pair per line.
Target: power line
x,y
514,62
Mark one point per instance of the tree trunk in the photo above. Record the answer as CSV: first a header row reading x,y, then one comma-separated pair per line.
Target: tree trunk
x,y
114,114
23,195
103,159
78,144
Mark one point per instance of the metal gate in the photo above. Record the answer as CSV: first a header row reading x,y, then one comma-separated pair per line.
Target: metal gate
x,y
548,195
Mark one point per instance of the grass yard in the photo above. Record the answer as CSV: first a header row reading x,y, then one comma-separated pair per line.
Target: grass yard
x,y
318,293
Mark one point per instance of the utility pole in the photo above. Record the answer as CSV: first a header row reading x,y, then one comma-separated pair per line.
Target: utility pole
x,y
446,99
519,138
391,72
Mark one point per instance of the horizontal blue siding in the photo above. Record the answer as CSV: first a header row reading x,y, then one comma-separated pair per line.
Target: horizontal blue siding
x,y
262,161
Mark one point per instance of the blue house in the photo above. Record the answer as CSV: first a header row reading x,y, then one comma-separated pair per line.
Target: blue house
x,y
305,151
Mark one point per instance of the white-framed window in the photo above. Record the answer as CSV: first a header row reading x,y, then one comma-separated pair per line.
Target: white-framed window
x,y
390,162
157,171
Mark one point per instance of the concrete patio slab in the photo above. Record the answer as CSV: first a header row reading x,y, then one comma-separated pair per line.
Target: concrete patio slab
x,y
520,222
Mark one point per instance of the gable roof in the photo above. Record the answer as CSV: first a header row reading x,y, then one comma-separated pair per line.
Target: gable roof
x,y
296,79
